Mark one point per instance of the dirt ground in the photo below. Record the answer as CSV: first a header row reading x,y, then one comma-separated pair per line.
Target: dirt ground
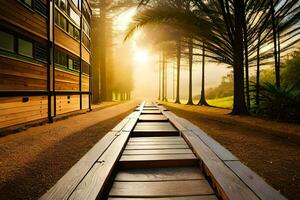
x,y
33,160
275,158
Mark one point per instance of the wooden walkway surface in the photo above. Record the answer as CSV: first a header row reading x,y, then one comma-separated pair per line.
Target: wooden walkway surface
x,y
154,154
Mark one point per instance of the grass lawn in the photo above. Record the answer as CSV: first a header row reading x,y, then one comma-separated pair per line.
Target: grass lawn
x,y
225,102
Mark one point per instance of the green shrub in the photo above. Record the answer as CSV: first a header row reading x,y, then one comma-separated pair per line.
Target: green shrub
x,y
279,103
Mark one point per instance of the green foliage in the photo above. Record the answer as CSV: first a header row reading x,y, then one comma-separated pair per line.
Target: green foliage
x,y
225,102
279,103
225,89
290,74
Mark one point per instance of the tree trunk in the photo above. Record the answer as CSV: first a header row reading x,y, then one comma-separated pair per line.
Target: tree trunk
x,y
164,77
190,99
102,58
277,69
202,100
246,59
159,77
178,56
239,105
257,73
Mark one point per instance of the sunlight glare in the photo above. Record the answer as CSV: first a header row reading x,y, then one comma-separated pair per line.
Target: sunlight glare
x,y
141,56
123,19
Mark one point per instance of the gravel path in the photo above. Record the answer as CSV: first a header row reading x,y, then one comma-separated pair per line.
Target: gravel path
x,y
33,160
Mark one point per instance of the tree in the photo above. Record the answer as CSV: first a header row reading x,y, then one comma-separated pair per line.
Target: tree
x,y
202,101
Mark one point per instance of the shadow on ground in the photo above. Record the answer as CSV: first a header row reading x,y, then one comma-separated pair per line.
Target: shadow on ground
x,y
39,175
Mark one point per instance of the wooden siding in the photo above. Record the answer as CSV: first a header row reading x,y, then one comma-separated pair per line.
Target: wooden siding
x,y
19,15
65,104
66,80
85,55
85,101
20,75
14,111
65,41
85,83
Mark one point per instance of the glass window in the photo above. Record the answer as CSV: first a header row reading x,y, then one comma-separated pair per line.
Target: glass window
x,y
41,52
63,22
56,17
64,5
86,28
70,63
6,41
86,41
25,48
76,3
63,59
27,2
76,33
71,29
74,16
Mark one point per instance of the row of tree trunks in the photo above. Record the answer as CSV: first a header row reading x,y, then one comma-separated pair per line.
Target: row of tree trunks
x,y
163,75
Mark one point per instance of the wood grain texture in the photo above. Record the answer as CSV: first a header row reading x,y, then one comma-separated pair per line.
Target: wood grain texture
x,y
160,174
158,157
154,127
158,151
65,104
229,185
161,146
255,182
202,197
156,142
85,55
160,189
151,112
66,80
216,147
93,183
20,16
19,75
148,139
66,185
153,118
66,42
14,111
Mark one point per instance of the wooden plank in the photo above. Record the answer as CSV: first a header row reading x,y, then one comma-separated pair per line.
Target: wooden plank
x,y
255,182
157,151
173,138
128,158
202,197
66,185
151,112
156,142
163,146
160,174
229,185
175,120
160,189
93,183
221,152
154,133
153,118
154,127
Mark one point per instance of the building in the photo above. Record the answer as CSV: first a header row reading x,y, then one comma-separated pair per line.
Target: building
x,y
45,59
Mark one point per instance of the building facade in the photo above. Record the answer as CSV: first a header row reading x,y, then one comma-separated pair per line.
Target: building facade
x,y
45,59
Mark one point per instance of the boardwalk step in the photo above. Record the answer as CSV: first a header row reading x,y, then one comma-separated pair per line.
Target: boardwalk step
x,y
151,117
160,188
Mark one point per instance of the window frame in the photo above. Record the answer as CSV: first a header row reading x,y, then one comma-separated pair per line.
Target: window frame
x,y
26,40
15,53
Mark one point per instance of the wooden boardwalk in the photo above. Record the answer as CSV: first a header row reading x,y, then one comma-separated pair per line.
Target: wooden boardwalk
x,y
154,154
